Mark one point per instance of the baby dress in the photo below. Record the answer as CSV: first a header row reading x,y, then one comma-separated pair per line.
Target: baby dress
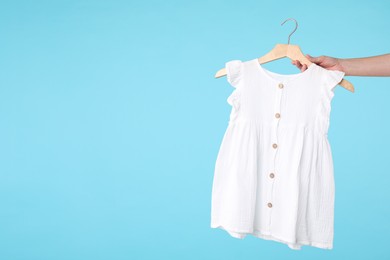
x,y
273,175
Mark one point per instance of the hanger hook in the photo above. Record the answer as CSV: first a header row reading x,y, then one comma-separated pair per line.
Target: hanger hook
x,y
296,27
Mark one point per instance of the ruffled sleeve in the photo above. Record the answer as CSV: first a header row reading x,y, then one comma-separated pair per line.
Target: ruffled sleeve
x,y
333,78
233,72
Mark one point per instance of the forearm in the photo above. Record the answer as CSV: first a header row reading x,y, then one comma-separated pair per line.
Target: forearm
x,y
368,66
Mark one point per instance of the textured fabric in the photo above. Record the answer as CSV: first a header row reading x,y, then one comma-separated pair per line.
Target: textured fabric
x,y
292,147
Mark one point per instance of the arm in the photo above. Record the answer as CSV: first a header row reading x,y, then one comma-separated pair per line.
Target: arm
x,y
367,66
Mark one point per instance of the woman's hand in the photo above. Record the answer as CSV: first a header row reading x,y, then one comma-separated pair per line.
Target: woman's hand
x,y
326,62
366,66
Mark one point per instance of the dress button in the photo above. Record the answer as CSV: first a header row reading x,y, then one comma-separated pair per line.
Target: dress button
x,y
277,115
274,146
280,85
269,205
271,175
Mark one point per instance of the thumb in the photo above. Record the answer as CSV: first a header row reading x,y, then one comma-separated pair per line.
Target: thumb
x,y
313,59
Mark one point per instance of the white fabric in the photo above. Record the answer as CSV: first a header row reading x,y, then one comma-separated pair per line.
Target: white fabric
x,y
302,190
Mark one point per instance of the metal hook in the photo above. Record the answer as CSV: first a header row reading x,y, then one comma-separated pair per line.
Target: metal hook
x,y
296,27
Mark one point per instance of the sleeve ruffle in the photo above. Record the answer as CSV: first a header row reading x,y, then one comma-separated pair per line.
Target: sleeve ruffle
x,y
234,99
233,72
333,78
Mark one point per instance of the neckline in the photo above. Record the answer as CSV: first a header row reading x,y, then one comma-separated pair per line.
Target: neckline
x,y
285,77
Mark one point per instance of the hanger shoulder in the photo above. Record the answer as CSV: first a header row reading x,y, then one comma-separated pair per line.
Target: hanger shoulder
x,y
347,85
220,73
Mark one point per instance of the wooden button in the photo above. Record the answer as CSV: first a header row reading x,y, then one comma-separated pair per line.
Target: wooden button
x,y
269,205
280,85
275,146
277,115
271,175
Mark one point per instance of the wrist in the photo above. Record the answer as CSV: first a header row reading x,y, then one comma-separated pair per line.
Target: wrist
x,y
343,65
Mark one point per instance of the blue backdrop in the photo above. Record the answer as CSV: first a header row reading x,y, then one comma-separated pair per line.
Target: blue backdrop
x,y
111,120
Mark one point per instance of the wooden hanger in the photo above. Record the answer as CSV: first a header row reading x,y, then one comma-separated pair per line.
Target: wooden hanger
x,y
291,51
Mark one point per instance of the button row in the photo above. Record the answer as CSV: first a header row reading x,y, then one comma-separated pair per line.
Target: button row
x,y
274,145
271,175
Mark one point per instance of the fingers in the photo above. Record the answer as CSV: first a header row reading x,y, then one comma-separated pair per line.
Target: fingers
x,y
300,66
320,60
297,63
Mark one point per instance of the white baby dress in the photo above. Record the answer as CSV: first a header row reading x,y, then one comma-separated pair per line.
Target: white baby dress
x,y
273,175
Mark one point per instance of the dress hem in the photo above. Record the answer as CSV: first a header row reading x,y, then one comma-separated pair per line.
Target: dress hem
x,y
241,234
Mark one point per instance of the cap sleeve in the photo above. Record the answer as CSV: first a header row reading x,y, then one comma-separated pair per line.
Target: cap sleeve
x,y
233,72
333,78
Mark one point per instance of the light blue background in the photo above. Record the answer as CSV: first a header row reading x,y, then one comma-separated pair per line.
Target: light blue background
x,y
111,121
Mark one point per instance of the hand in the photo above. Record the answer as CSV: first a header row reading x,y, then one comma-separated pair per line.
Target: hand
x,y
326,62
